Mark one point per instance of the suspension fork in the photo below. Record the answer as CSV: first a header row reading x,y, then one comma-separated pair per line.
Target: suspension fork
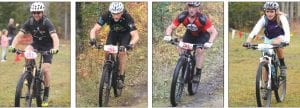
x,y
267,59
185,58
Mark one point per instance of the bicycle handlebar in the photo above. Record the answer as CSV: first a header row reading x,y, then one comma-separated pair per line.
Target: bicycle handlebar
x,y
265,46
128,47
176,42
19,51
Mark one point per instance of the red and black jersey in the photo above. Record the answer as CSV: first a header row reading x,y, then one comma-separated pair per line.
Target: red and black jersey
x,y
200,24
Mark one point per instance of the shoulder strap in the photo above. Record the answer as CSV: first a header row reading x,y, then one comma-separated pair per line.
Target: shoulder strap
x,y
202,18
182,16
31,20
266,21
44,20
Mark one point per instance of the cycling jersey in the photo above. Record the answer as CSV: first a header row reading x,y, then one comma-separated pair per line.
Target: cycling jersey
x,y
40,31
272,28
126,23
200,24
41,35
115,38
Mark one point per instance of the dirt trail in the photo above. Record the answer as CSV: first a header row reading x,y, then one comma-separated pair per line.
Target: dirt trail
x,y
133,95
210,92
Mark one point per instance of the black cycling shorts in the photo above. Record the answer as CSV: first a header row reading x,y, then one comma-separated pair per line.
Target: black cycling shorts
x,y
202,38
121,38
46,58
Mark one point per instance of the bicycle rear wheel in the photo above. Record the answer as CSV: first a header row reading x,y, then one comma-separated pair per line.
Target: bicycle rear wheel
x,y
263,94
178,81
280,90
23,91
105,84
193,86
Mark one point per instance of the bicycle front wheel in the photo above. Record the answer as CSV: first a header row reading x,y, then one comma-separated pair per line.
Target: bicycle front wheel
x,y
23,96
105,84
263,94
178,81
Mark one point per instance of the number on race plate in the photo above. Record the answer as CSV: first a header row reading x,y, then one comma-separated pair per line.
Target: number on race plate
x,y
30,54
111,48
184,45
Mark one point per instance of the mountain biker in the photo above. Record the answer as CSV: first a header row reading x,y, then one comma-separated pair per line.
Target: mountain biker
x,y
199,30
277,31
122,31
44,38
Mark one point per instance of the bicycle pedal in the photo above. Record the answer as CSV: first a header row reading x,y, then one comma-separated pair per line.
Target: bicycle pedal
x,y
282,78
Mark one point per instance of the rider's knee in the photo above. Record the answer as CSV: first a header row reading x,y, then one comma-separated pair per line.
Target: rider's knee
x,y
46,67
122,53
199,51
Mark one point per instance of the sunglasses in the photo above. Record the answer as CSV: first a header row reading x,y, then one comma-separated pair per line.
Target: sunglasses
x,y
270,11
116,13
191,5
36,12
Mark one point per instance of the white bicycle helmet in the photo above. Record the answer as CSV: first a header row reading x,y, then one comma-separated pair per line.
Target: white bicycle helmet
x,y
194,4
271,5
37,7
116,7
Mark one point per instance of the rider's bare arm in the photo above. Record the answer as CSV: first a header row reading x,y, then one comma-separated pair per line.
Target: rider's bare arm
x,y
95,30
55,40
17,38
170,28
213,33
134,37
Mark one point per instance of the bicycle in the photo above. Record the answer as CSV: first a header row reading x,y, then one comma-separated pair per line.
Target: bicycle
x,y
31,82
267,78
110,77
184,71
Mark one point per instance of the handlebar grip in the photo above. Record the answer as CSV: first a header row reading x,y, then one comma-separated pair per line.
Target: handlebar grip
x,y
98,46
129,47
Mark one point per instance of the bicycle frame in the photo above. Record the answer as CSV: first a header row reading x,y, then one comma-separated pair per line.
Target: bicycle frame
x,y
188,58
109,76
31,63
267,59
33,74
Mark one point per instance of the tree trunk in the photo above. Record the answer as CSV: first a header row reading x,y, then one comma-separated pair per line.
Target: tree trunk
x,y
66,23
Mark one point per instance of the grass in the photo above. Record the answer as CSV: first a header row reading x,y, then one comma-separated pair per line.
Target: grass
x,y
60,78
243,64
